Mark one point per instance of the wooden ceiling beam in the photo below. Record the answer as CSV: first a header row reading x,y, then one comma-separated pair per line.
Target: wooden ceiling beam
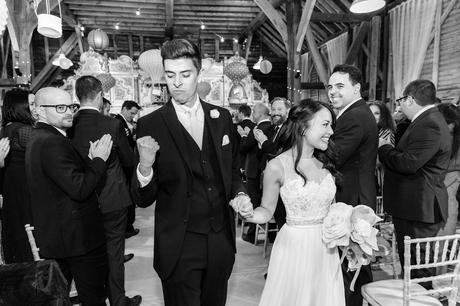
x,y
268,42
213,3
338,17
66,48
357,42
304,21
275,18
68,16
317,59
258,20
169,15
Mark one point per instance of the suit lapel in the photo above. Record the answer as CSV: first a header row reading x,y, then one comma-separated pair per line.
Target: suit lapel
x,y
214,129
175,129
414,123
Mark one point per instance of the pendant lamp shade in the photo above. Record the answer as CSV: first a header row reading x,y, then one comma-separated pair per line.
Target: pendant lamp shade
x,y
257,65
62,61
366,6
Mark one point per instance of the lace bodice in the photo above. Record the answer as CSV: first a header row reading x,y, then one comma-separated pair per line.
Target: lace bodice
x,y
305,204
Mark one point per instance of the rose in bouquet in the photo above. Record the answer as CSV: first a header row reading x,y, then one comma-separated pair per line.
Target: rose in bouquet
x,y
352,229
337,225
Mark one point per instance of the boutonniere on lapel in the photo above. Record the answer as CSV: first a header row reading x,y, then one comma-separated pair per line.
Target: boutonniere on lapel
x,y
214,113
225,140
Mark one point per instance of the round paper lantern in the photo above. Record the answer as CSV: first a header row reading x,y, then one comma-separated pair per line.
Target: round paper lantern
x,y
265,67
98,40
204,88
236,71
151,62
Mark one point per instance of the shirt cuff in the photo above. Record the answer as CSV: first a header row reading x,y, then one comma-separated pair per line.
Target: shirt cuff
x,y
143,180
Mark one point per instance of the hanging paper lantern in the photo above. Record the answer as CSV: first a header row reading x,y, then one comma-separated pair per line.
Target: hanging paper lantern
x,y
151,62
98,40
107,80
204,88
47,24
236,71
265,66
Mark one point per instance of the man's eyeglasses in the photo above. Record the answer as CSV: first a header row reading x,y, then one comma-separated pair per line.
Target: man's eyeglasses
x,y
402,99
62,108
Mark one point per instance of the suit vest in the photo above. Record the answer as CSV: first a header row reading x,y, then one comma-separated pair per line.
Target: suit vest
x,y
208,205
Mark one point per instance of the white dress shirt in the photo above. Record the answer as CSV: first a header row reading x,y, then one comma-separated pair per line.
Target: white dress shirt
x,y
192,119
347,107
417,114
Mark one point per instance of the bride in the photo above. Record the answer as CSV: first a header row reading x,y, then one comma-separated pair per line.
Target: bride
x,y
302,270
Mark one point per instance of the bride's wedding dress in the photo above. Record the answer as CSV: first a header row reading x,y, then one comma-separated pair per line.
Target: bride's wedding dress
x,y
302,270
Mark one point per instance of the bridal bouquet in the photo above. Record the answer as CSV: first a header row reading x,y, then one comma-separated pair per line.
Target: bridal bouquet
x,y
351,229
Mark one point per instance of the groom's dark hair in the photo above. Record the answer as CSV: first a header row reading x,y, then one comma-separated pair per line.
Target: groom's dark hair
x,y
181,48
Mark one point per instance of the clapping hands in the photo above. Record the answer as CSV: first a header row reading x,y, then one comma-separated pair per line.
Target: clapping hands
x,y
242,205
259,136
4,149
243,132
101,148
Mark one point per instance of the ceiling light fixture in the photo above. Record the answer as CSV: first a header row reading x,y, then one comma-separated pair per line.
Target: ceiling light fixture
x,y
222,39
62,61
117,27
138,12
366,6
82,28
235,39
202,26
257,65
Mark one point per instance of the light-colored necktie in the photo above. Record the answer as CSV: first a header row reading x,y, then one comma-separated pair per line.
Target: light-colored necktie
x,y
193,127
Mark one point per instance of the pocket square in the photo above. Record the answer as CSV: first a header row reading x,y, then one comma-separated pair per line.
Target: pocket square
x,y
225,140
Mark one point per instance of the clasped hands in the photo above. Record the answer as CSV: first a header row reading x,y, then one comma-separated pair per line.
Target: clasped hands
x,y
242,205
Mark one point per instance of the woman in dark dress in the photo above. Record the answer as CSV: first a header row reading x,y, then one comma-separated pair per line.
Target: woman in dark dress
x,y
17,125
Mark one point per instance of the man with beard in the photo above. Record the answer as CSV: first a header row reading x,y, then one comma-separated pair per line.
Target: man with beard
x,y
269,143
356,138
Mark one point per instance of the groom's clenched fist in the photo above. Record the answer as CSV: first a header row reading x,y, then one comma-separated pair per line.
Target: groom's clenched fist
x,y
147,147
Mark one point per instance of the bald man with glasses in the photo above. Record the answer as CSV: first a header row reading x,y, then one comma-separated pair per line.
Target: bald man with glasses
x,y
67,220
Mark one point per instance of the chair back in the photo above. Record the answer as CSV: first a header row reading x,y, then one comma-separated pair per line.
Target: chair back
x,y
448,257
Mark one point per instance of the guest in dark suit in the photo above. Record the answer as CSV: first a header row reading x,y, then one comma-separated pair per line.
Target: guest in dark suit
x,y
68,223
129,111
414,192
268,142
189,166
113,195
356,138
255,162
244,125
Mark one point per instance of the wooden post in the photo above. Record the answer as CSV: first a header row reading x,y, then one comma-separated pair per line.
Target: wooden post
x,y
374,57
386,56
141,43
293,11
216,49
248,46
437,42
130,45
115,48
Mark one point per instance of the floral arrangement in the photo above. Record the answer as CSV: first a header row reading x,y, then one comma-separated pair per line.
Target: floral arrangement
x,y
352,229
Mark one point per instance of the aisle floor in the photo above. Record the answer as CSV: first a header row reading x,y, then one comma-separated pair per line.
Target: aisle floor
x,y
246,282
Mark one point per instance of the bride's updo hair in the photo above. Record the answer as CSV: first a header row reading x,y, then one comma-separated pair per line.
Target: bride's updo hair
x,y
291,134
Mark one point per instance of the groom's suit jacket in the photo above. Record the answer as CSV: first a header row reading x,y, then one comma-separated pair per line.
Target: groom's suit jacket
x,y
173,184
356,139
415,170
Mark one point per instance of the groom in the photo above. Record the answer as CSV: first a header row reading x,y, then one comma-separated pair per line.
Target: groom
x,y
188,164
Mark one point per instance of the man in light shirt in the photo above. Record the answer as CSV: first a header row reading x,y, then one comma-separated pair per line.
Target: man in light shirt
x,y
414,192
356,139
188,164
